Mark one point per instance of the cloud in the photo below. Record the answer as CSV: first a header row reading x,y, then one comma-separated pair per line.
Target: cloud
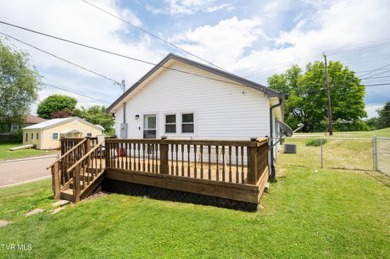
x,y
190,7
77,21
222,43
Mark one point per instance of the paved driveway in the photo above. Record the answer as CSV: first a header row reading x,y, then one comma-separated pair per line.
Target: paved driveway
x,y
22,170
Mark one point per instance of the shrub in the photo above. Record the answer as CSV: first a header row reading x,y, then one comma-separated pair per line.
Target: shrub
x,y
315,142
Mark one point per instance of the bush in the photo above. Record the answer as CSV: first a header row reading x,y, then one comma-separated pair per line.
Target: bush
x,y
315,142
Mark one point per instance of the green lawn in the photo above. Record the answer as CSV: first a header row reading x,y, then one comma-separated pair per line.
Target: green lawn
x,y
308,213
328,214
343,150
5,153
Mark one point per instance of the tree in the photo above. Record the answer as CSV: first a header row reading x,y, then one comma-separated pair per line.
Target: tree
x,y
384,116
306,98
56,106
97,115
19,86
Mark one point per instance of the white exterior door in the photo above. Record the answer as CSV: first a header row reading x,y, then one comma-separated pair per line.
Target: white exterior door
x,y
150,126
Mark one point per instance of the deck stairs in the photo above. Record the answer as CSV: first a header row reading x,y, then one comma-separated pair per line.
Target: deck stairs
x,y
78,180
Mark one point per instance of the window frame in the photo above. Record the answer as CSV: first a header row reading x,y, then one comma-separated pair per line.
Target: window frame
x,y
54,134
170,123
187,123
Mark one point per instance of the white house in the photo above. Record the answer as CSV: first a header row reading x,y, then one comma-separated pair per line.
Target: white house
x,y
181,98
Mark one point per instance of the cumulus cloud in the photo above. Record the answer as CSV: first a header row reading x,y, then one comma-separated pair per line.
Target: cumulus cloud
x,y
189,7
77,21
224,42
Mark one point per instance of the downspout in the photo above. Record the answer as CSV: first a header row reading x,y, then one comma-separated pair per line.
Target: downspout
x,y
271,139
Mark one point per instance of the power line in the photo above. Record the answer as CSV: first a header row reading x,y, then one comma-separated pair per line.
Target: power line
x,y
67,61
383,72
371,44
378,77
66,90
385,41
377,84
114,53
151,34
377,69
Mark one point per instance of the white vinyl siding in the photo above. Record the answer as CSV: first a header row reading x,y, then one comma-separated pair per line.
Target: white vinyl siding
x,y
221,110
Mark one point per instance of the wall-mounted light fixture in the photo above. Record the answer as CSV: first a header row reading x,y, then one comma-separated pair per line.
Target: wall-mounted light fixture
x,y
136,117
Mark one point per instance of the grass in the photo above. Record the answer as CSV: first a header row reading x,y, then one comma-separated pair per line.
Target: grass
x,y
308,213
305,215
343,150
18,200
5,153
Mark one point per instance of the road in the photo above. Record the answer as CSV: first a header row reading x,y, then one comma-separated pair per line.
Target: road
x,y
22,170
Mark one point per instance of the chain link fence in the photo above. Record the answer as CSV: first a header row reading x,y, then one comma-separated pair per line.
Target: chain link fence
x,y
341,153
381,153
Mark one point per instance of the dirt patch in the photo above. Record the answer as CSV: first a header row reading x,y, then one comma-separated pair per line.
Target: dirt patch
x,y
4,223
97,195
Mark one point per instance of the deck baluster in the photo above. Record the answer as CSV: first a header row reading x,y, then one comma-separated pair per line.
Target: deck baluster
x,y
201,162
223,164
195,169
230,164
217,154
209,162
188,161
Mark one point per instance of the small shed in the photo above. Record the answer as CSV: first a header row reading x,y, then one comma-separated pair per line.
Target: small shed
x,y
46,135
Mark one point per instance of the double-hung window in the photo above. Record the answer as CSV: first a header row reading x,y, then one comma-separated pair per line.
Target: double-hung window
x,y
187,123
170,123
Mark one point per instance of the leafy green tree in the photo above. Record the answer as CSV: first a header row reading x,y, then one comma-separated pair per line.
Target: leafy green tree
x,y
56,105
97,115
306,97
19,86
372,123
384,116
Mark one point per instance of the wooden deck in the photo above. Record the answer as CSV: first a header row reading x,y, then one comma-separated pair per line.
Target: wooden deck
x,y
233,170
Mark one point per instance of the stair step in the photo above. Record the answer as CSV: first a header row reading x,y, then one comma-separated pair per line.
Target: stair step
x,y
67,195
60,203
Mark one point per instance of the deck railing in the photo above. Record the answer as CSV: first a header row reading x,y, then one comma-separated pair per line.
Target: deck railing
x,y
243,162
69,143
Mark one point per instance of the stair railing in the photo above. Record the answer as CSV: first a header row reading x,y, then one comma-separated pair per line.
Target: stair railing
x,y
86,170
60,180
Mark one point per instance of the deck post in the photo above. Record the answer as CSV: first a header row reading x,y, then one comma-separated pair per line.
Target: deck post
x,y
87,145
56,181
252,163
163,156
77,179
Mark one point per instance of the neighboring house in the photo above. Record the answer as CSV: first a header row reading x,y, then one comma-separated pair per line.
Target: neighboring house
x,y
12,128
46,135
28,120
180,98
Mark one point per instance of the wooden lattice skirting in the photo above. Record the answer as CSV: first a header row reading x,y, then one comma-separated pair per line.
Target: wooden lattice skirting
x,y
121,187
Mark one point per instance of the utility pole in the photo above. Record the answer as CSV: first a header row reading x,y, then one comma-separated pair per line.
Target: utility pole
x,y
330,122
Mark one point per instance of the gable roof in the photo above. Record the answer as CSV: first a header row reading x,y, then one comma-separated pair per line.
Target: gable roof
x,y
59,121
162,64
31,119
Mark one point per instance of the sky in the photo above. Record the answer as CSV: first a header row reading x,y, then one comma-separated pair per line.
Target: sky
x,y
253,39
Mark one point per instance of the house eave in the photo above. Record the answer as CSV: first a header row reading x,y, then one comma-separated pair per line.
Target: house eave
x,y
162,65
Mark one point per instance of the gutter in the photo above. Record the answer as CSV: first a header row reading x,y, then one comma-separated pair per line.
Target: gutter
x,y
271,139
